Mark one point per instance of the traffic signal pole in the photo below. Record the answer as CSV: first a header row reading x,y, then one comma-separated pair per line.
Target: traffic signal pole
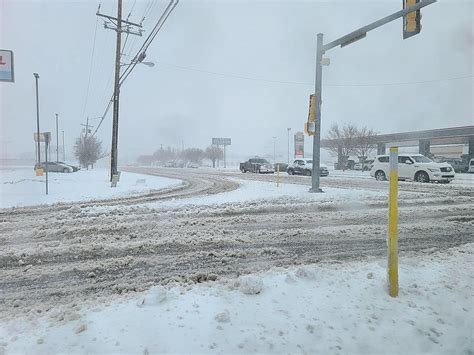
x,y
320,51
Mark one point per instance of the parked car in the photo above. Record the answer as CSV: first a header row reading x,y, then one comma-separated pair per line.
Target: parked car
x,y
459,165
364,166
192,165
471,166
55,167
305,167
74,168
414,167
281,167
257,165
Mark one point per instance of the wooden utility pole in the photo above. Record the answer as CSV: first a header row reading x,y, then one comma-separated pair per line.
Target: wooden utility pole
x,y
119,25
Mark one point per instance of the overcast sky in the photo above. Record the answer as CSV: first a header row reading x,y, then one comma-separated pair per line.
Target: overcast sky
x,y
238,69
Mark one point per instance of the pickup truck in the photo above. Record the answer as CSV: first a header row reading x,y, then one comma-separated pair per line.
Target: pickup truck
x,y
257,165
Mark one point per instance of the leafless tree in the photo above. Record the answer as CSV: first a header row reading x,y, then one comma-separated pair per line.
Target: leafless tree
x,y
88,149
214,153
161,156
365,142
193,155
342,140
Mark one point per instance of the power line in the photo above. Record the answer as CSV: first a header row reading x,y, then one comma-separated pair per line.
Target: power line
x,y
243,77
90,69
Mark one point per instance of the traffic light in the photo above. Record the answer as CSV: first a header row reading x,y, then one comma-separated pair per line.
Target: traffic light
x,y
310,126
412,20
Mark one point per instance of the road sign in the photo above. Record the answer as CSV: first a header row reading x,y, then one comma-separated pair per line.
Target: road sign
x,y
43,137
310,126
221,141
6,66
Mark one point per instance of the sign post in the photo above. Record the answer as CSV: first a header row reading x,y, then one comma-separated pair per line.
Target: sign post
x,y
224,142
6,66
393,224
299,145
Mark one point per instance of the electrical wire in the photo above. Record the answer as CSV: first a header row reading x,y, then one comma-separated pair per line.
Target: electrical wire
x,y
171,6
243,77
90,69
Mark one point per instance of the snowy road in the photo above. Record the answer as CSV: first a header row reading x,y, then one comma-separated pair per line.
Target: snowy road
x,y
68,253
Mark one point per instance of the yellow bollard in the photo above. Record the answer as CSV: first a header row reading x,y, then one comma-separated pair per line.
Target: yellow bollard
x,y
393,224
278,175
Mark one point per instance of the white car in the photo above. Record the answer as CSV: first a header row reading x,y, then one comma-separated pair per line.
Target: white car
x,y
470,168
414,167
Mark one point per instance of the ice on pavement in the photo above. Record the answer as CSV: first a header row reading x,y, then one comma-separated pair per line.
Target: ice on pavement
x,y
322,308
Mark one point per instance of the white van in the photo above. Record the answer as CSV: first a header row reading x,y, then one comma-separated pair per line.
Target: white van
x,y
414,167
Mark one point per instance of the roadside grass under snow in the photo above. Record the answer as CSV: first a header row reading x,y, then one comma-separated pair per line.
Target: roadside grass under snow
x,y
20,187
325,308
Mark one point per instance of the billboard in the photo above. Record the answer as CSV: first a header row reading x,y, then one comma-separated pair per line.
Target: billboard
x,y
6,66
299,145
221,141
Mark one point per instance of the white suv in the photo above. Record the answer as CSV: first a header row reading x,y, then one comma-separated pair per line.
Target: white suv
x,y
415,167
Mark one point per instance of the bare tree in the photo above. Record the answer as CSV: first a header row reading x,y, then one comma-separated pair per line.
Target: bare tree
x,y
163,155
214,153
194,155
342,141
88,150
365,142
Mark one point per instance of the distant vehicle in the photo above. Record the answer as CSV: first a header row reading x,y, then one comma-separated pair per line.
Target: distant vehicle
x,y
305,167
471,166
54,167
192,165
74,168
364,166
169,164
257,165
414,167
282,167
459,165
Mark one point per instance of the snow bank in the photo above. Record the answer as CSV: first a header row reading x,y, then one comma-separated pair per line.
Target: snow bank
x,y
20,187
325,308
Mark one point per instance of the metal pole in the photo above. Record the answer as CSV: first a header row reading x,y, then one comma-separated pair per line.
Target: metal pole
x,y
57,139
274,155
114,152
289,129
317,114
225,160
64,150
37,119
46,165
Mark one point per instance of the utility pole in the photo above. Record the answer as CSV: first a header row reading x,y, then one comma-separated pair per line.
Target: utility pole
x,y
320,51
87,125
64,150
289,129
57,139
37,119
119,25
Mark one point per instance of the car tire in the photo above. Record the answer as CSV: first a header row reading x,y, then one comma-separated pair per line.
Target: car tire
x,y
422,177
290,172
380,175
307,172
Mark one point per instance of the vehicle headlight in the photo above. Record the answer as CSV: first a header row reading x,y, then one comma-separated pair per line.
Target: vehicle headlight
x,y
433,170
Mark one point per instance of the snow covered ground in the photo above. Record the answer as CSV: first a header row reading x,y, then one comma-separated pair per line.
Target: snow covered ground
x,y
20,186
321,308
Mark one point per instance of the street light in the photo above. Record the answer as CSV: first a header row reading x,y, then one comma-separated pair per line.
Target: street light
x,y
37,118
148,64
289,129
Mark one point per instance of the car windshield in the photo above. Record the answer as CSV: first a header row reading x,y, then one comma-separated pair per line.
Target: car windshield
x,y
421,159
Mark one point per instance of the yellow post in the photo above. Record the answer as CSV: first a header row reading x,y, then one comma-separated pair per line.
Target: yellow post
x,y
278,175
393,224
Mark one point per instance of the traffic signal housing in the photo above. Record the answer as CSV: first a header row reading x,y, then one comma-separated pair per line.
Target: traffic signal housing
x,y
412,20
